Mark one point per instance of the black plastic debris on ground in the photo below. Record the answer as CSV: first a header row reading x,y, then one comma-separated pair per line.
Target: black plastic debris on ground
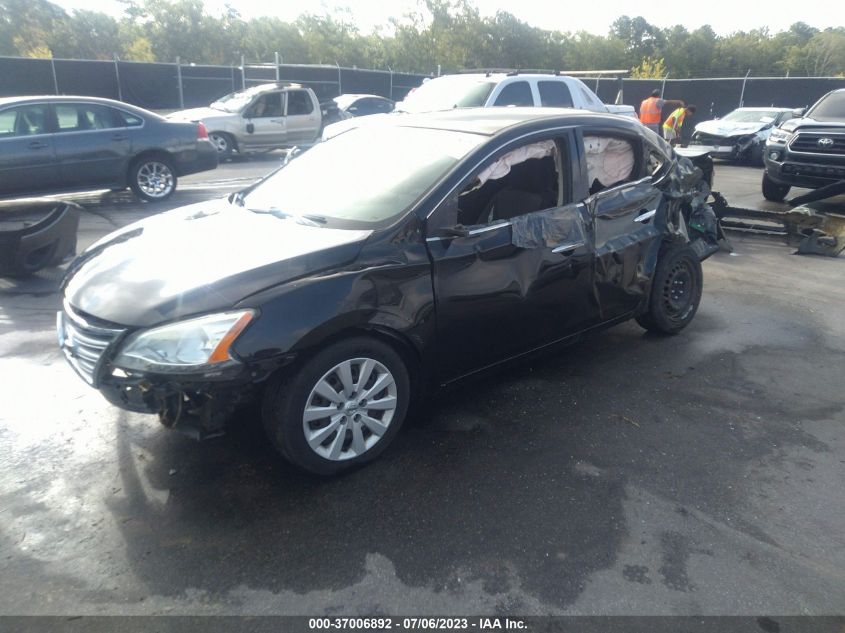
x,y
36,233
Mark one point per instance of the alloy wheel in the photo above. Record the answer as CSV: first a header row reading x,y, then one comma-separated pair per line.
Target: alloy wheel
x,y
155,179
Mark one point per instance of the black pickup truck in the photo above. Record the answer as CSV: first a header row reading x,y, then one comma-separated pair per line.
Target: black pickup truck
x,y
809,151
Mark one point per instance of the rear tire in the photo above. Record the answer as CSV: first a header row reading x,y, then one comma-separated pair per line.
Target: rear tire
x,y
340,408
773,191
153,178
675,291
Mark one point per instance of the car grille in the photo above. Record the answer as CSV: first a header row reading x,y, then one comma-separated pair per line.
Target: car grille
x,y
84,340
809,143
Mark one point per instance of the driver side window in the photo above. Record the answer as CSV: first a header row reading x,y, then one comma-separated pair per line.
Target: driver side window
x,y
267,105
522,181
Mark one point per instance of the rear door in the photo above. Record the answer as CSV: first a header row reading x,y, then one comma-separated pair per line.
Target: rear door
x,y
302,118
516,274
92,144
623,202
27,155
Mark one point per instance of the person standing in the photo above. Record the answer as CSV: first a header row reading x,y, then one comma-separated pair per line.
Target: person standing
x,y
651,110
672,125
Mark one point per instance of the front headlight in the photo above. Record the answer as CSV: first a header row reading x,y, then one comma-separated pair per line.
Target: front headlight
x,y
779,136
186,346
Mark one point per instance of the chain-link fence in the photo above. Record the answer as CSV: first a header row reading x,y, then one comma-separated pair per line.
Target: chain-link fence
x,y
160,86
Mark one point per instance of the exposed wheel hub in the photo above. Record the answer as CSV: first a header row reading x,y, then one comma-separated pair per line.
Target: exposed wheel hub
x,y
677,291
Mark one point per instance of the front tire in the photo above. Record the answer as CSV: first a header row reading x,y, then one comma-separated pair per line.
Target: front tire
x,y
340,408
224,143
773,191
675,291
152,179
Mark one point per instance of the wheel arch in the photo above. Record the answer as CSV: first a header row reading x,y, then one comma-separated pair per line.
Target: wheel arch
x,y
232,138
147,154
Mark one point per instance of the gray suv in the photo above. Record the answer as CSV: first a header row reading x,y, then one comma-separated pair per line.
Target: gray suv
x,y
809,151
261,118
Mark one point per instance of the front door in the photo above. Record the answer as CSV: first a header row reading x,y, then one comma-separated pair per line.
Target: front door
x,y
27,155
264,121
512,260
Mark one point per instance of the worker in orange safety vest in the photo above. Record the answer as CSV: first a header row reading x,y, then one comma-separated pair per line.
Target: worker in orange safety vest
x,y
672,125
651,110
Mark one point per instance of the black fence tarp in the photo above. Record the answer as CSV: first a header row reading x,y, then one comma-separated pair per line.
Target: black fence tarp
x,y
156,86
203,84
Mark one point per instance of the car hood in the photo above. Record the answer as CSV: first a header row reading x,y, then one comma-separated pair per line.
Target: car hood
x,y
197,259
199,114
809,122
729,128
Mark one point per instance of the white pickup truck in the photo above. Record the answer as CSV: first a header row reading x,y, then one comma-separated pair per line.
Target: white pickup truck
x,y
484,90
259,118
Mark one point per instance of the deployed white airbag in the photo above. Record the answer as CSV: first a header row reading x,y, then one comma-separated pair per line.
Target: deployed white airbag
x,y
609,160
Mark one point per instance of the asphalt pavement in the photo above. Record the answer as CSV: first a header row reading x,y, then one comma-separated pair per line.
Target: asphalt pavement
x,y
629,474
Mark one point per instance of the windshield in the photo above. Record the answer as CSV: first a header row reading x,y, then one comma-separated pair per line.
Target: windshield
x,y
362,177
445,93
830,108
751,116
233,102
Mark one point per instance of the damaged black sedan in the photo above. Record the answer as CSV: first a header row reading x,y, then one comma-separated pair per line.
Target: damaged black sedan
x,y
393,257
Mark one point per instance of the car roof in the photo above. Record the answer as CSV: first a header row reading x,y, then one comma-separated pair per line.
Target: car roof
x,y
348,98
4,101
491,121
501,76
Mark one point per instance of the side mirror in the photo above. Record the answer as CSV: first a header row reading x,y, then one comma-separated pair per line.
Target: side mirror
x,y
250,128
798,112
293,152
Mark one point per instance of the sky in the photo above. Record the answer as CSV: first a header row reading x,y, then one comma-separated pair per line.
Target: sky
x,y
565,15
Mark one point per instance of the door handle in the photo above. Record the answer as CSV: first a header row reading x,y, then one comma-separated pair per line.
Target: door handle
x,y
118,137
567,249
645,216
37,145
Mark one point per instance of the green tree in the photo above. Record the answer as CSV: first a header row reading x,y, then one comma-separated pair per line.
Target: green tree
x,y
86,35
650,68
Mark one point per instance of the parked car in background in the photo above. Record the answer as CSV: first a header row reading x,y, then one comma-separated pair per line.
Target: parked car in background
x,y
260,118
80,143
740,135
808,151
364,105
487,90
448,243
